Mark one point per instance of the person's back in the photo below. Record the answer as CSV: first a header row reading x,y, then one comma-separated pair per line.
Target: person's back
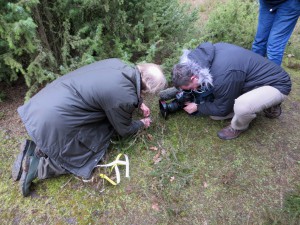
x,y
258,71
244,83
72,119
230,64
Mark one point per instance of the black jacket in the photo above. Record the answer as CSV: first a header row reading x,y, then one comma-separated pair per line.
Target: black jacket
x,y
235,71
72,119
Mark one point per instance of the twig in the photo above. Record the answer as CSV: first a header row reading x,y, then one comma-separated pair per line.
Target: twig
x,y
66,183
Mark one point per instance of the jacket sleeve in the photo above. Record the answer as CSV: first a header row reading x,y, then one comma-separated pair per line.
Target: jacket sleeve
x,y
121,119
225,93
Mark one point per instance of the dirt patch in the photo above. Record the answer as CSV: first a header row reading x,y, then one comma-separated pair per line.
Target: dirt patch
x,y
10,121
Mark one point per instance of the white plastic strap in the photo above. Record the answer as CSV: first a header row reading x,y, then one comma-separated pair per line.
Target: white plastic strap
x,y
115,164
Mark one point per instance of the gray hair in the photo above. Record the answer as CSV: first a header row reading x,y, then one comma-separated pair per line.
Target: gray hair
x,y
182,73
153,79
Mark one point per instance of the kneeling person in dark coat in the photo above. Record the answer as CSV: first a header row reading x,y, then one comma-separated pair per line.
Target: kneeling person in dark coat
x,y
72,119
243,83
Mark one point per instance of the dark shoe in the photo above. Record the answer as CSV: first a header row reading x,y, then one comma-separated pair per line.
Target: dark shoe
x,y
273,112
229,133
30,170
28,147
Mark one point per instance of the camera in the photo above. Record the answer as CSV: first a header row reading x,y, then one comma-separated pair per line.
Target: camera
x,y
180,97
176,104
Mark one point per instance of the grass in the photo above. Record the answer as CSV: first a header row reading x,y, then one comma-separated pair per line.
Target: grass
x,y
192,178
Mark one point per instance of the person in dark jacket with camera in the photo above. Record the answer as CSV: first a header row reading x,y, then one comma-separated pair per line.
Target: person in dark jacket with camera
x,y
72,119
244,83
276,22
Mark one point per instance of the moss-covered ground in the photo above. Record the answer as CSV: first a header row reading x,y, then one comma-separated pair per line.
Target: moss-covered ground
x,y
180,173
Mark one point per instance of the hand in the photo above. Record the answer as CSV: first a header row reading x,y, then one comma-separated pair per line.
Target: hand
x,y
146,121
190,107
145,110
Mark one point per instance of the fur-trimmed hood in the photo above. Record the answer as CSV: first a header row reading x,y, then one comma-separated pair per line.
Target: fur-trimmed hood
x,y
199,60
233,71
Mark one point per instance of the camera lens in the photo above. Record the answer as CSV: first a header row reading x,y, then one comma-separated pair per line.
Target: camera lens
x,y
163,109
166,108
173,106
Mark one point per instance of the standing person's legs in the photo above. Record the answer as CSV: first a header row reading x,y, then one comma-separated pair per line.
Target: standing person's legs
x,y
285,20
265,22
247,105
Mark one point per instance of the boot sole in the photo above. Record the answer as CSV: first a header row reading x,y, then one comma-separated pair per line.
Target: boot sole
x,y
17,166
30,165
25,191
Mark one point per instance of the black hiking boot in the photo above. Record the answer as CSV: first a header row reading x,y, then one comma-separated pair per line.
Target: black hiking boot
x,y
30,172
28,147
273,112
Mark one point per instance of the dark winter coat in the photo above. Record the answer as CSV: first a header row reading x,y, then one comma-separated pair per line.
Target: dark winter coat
x,y
72,119
235,71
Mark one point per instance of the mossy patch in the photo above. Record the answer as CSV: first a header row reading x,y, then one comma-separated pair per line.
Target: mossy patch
x,y
180,173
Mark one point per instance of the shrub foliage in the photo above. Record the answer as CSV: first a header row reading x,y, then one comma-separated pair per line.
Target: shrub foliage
x,y
234,22
43,39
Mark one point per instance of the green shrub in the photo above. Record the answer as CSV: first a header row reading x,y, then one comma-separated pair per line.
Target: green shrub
x,y
42,40
17,39
233,22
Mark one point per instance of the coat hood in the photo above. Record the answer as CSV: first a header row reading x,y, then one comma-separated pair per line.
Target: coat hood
x,y
200,60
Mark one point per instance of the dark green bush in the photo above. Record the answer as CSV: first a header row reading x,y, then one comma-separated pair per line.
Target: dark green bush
x,y
233,22
42,39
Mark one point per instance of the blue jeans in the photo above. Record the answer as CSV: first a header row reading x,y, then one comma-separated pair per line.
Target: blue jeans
x,y
275,28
